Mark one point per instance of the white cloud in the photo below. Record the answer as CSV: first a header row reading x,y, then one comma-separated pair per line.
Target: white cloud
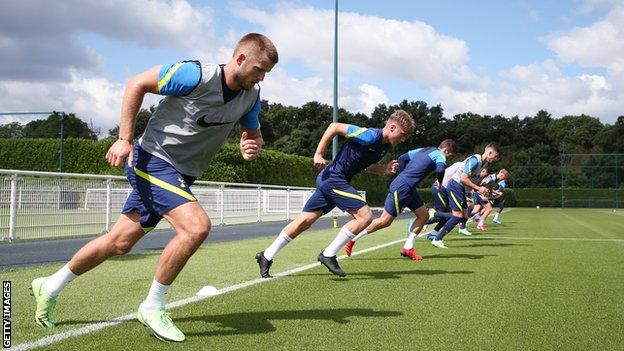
x,y
368,45
95,100
524,90
280,88
599,45
39,39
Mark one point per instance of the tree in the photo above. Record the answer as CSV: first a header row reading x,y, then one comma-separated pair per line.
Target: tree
x,y
11,130
51,128
139,125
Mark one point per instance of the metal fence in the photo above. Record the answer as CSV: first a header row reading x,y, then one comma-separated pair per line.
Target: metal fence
x,y
38,205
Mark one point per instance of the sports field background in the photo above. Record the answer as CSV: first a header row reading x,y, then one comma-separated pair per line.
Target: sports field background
x,y
547,279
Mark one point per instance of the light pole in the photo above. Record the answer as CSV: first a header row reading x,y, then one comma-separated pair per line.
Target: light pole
x,y
335,111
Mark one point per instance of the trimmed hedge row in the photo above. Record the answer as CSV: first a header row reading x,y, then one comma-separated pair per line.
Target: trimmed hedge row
x,y
87,156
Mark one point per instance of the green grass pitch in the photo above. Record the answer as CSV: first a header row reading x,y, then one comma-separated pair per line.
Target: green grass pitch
x,y
547,279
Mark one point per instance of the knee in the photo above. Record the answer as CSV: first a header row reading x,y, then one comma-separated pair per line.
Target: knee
x,y
199,230
121,247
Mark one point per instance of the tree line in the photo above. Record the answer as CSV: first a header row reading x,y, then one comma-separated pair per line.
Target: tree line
x,y
530,146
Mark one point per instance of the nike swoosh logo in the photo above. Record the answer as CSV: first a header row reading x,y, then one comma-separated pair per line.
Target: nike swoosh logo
x,y
202,123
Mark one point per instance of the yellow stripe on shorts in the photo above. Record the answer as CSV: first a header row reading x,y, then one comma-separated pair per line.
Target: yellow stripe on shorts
x,y
344,193
396,202
442,200
455,199
164,185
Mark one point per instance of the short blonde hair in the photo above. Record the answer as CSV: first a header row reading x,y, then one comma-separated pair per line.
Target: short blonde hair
x,y
258,43
403,119
505,173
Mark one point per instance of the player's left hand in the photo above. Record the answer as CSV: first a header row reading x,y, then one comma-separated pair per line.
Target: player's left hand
x,y
250,147
392,166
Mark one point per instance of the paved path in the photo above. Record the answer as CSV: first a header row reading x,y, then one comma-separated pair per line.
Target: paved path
x,y
31,253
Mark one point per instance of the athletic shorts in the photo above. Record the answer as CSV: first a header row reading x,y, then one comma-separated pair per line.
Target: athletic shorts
x,y
477,199
333,192
499,202
456,196
400,195
439,198
157,188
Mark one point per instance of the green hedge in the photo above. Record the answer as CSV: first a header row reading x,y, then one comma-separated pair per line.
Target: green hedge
x,y
87,156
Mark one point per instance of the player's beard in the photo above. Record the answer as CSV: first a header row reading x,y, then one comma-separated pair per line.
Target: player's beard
x,y
242,82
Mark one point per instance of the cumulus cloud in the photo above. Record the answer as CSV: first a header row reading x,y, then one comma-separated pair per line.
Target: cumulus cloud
x,y
600,44
524,90
95,100
281,88
368,45
40,39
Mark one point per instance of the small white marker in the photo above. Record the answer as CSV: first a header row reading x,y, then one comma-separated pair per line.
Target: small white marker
x,y
208,290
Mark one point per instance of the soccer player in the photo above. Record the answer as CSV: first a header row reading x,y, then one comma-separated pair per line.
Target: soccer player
x,y
457,192
497,192
414,165
203,103
362,151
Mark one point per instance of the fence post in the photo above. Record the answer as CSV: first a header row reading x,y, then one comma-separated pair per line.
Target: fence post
x,y
221,205
108,205
288,204
259,203
13,208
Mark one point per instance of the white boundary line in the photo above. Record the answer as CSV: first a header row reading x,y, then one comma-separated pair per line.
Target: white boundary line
x,y
128,317
544,239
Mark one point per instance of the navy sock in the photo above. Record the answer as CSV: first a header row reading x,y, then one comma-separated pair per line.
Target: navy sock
x,y
440,225
432,220
448,226
440,215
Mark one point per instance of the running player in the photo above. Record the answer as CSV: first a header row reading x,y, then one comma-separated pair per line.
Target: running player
x,y
362,150
188,127
414,165
457,192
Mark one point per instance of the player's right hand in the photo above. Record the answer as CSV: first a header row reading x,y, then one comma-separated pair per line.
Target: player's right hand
x,y
119,151
482,190
319,161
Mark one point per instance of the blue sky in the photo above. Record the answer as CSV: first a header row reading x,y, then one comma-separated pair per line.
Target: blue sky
x,y
489,57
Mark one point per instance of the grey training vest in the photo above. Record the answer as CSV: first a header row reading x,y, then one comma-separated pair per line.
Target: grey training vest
x,y
187,131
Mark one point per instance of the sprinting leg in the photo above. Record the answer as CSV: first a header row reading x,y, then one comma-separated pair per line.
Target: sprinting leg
x,y
362,217
288,234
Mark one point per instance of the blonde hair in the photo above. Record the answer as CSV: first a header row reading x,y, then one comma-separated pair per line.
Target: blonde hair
x,y
403,119
257,43
505,173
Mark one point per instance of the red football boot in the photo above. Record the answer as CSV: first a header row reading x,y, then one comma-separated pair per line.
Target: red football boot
x,y
411,254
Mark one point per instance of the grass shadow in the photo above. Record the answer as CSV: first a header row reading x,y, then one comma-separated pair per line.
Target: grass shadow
x,y
386,274
491,245
260,322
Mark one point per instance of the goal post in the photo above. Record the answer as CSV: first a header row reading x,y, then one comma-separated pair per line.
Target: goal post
x,y
592,180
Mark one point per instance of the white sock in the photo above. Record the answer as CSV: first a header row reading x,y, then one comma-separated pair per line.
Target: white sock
x,y
57,281
434,232
409,242
359,236
156,296
496,217
282,240
341,239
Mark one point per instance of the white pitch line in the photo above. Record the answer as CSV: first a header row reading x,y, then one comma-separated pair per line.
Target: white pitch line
x,y
544,239
132,316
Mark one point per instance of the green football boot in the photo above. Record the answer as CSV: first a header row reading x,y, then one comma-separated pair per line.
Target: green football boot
x,y
45,303
160,324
